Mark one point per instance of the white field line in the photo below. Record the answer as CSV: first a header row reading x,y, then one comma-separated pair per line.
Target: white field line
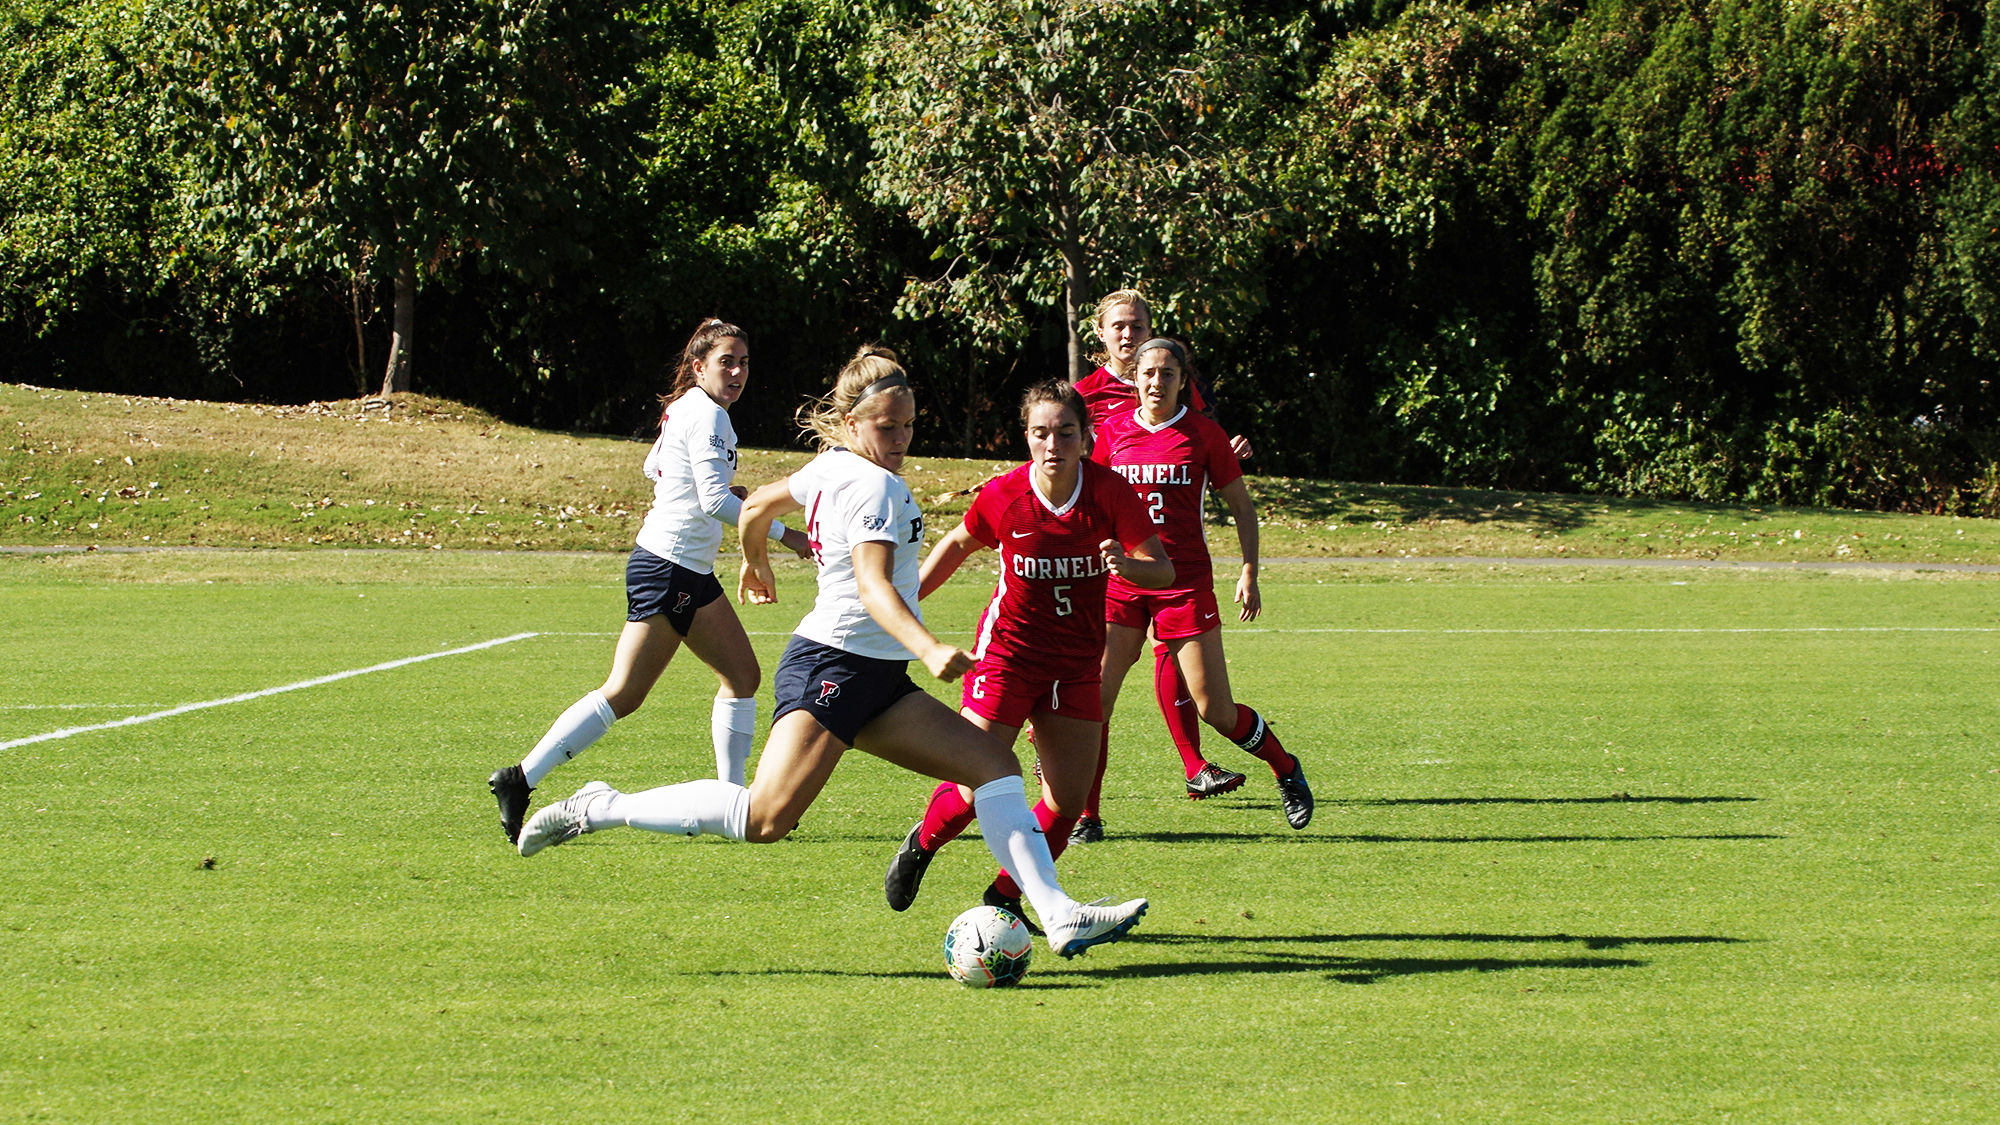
x,y
249,695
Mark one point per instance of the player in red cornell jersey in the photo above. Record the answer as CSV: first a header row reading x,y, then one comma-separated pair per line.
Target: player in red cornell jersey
x,y
1124,321
1172,456
1063,526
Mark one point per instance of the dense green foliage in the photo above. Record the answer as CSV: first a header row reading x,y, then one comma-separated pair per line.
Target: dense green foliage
x,y
1717,249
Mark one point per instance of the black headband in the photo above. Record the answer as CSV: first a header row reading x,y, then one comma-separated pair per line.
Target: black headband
x,y
886,383
1161,342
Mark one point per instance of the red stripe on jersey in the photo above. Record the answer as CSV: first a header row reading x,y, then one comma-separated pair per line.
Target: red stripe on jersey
x,y
1047,612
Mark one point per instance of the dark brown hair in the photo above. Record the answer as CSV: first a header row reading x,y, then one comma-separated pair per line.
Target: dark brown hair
x,y
712,331
1061,392
1181,355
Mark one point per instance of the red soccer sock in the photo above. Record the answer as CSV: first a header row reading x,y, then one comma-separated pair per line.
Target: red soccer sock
x,y
1055,829
1255,736
1097,783
948,814
1177,708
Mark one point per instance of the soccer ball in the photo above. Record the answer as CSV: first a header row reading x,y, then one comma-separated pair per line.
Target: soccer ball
x,y
987,947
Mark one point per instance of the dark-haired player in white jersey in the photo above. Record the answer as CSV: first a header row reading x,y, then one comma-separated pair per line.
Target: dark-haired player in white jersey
x,y
671,595
1172,456
844,679
1063,526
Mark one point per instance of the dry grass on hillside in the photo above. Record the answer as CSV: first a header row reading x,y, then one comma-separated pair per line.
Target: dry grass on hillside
x,y
406,470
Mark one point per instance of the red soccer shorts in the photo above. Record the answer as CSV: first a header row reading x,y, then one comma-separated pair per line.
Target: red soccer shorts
x,y
1173,614
1009,697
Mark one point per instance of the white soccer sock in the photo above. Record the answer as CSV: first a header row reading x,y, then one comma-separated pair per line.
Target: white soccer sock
x,y
691,808
1017,842
575,729
731,723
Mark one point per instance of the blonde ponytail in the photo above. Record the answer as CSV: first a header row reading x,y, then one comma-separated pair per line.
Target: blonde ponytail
x,y
826,418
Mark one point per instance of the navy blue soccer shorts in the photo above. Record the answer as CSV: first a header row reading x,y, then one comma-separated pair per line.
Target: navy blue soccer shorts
x,y
655,586
843,691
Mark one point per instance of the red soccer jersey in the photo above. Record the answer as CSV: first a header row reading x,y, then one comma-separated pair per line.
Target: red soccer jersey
x,y
1105,394
1047,613
1172,468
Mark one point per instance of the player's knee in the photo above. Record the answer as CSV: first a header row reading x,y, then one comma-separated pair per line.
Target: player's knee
x,y
996,762
621,698
1221,716
741,683
767,831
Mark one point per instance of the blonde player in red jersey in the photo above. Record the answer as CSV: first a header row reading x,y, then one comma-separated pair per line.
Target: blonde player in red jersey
x,y
1065,528
1124,321
1172,456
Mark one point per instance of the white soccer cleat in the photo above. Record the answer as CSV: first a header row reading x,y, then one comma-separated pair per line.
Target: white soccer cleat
x,y
1092,923
561,822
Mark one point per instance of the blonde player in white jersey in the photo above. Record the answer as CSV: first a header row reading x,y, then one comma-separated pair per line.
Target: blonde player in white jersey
x,y
844,679
671,592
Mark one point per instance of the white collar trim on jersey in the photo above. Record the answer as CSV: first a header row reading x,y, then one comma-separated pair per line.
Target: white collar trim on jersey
x,y
1161,426
1067,504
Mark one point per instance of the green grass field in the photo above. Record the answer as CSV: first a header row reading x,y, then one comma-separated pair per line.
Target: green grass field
x,y
1592,845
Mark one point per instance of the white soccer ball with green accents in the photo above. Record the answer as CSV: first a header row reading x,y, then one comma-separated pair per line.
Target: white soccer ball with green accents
x,y
987,947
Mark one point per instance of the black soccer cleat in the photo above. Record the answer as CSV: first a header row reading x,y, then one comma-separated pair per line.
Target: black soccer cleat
x,y
906,872
1012,906
1212,779
1088,830
510,787
1296,795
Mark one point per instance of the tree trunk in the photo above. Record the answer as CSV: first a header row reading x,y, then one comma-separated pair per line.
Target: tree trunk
x,y
971,401
356,284
1076,287
396,378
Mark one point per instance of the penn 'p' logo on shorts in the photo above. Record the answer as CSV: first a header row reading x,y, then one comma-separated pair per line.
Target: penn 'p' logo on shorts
x,y
827,690
681,601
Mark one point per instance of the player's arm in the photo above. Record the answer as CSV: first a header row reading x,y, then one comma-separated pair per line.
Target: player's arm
x,y
945,559
755,584
874,580
1236,496
1146,566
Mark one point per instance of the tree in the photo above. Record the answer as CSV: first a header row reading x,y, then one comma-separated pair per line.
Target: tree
x,y
87,183
370,138
1039,140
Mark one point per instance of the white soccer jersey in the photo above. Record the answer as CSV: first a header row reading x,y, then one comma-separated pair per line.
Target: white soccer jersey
x,y
692,466
850,499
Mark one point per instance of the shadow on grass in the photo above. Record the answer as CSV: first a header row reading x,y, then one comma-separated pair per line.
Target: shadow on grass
x,y
1381,838
1338,967
1354,970
1614,799
1360,504
1588,941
